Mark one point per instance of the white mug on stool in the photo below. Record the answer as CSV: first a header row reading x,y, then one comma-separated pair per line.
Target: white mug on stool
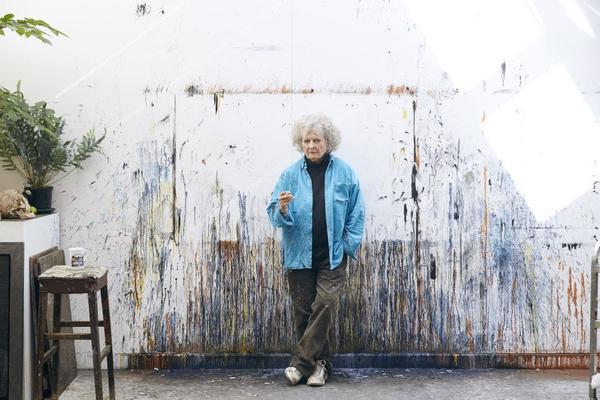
x,y
76,257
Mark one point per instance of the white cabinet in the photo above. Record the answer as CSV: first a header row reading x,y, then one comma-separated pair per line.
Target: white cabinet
x,y
31,236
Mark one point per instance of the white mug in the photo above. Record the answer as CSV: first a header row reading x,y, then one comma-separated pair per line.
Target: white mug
x,y
76,257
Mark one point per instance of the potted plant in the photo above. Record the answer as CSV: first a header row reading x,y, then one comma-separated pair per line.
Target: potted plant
x,y
31,143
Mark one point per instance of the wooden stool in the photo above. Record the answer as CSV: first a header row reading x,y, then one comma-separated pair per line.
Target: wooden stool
x,y
59,280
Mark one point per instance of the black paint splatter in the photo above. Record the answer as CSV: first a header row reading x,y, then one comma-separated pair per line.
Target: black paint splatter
x,y
142,9
571,246
216,99
193,90
414,191
175,212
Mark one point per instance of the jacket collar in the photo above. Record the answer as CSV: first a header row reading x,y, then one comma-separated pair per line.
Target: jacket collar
x,y
303,161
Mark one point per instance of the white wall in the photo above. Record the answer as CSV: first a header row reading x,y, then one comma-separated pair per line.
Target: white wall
x,y
505,136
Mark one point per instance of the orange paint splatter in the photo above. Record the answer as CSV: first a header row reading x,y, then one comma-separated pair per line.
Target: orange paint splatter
x,y
400,89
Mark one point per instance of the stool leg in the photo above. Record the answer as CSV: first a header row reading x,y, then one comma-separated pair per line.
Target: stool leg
x,y
55,357
39,354
49,373
93,305
108,341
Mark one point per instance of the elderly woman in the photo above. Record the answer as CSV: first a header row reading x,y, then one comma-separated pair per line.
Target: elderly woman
x,y
318,204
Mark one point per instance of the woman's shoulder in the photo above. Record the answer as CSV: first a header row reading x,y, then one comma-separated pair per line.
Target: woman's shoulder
x,y
294,168
345,170
341,164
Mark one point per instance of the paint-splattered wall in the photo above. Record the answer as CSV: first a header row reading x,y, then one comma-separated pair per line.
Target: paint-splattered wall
x,y
471,127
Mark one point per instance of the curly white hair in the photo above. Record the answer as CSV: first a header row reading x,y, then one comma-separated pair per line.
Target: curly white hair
x,y
319,123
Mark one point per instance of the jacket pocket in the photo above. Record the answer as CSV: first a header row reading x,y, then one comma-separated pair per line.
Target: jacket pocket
x,y
340,192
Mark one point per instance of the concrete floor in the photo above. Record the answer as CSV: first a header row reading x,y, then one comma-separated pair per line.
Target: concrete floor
x,y
365,384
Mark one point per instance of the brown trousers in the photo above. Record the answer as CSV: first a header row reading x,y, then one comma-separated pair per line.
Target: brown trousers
x,y
315,294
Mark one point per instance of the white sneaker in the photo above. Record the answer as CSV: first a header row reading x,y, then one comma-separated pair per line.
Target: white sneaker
x,y
595,381
293,375
319,375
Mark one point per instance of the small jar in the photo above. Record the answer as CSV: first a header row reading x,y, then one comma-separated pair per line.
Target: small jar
x,y
77,257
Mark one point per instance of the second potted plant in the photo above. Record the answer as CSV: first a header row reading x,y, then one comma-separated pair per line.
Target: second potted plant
x,y
31,144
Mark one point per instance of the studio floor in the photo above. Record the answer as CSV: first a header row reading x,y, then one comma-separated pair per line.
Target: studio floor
x,y
368,384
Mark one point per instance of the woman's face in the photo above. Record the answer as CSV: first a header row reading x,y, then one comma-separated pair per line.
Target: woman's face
x,y
314,145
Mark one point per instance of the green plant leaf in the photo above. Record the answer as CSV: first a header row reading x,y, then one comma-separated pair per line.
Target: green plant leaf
x,y
29,27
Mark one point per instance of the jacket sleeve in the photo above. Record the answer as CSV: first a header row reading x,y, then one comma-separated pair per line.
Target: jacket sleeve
x,y
277,219
355,220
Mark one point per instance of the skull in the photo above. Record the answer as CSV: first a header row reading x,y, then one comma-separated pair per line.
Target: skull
x,y
14,205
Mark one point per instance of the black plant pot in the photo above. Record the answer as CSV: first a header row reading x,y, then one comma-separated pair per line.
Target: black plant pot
x,y
39,198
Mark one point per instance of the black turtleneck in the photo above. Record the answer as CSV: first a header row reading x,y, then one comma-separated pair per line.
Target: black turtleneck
x,y
320,245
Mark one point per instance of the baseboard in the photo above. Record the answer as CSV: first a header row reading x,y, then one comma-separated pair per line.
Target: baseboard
x,y
388,360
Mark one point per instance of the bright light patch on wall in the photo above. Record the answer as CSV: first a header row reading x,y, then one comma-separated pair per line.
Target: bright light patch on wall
x,y
471,38
548,141
577,16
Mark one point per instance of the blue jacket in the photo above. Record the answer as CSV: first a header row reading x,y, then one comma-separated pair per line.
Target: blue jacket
x,y
344,213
